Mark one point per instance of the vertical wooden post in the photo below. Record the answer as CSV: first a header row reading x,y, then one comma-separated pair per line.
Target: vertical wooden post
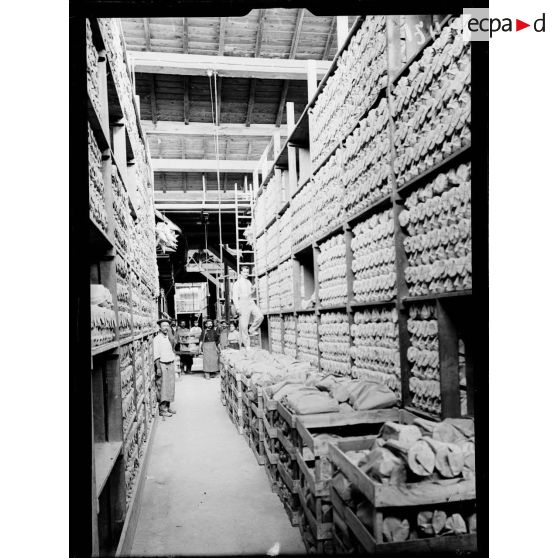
x,y
204,187
342,30
276,144
119,146
448,349
291,151
349,235
312,79
103,91
400,256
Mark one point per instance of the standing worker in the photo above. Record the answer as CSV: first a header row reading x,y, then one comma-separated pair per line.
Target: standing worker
x,y
210,347
233,337
164,356
223,335
182,346
246,307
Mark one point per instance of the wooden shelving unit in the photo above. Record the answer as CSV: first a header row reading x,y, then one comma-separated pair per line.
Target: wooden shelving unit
x,y
300,171
120,439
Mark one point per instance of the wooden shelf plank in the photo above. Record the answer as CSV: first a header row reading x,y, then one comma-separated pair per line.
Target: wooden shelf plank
x,y
373,207
104,348
106,454
98,239
437,296
371,303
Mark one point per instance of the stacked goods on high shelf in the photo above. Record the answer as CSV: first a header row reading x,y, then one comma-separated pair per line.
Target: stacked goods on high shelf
x,y
366,160
411,488
285,235
335,343
307,338
289,335
375,349
332,274
304,213
129,423
114,41
103,317
97,208
329,195
122,217
138,367
92,68
437,219
432,105
275,333
261,256
124,324
353,88
274,292
259,214
423,356
272,246
374,258
286,293
263,293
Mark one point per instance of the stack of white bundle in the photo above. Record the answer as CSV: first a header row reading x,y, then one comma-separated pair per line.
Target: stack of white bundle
x,y
285,235
259,214
92,68
97,208
335,343
289,336
261,257
304,213
329,195
366,160
375,347
121,210
437,219
125,324
354,86
275,325
432,106
424,358
263,293
286,289
274,291
272,245
128,410
121,271
103,325
123,297
307,338
374,258
332,274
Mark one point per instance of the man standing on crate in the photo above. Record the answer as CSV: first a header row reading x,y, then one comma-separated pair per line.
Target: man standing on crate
x,y
164,356
246,307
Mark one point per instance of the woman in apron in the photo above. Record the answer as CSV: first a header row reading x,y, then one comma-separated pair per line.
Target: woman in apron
x,y
210,347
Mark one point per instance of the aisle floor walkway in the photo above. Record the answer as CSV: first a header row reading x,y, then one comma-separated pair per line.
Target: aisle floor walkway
x,y
204,492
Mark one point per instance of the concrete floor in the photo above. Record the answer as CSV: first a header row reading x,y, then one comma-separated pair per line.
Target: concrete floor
x,y
204,493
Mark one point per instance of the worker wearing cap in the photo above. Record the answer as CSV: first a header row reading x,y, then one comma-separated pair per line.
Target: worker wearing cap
x,y
246,307
164,356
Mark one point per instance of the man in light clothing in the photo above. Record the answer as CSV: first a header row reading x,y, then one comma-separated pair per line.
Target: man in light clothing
x,y
246,307
164,356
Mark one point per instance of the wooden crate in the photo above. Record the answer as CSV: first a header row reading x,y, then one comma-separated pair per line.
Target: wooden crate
x,y
406,497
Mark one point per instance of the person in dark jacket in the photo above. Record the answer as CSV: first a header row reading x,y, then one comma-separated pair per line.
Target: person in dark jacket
x,y
209,345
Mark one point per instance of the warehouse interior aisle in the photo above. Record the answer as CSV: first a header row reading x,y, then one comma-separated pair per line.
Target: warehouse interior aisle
x,y
204,492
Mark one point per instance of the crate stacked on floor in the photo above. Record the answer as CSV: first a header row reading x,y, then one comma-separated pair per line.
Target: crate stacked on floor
x,y
124,286
411,489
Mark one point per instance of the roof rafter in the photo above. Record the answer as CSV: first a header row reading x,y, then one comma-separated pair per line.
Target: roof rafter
x,y
186,100
226,66
294,45
330,36
185,34
222,32
207,129
147,33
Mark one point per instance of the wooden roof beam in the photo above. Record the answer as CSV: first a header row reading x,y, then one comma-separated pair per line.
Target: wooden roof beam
x,y
251,100
185,34
225,66
329,40
202,165
186,100
259,33
292,54
222,32
153,99
207,129
147,33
